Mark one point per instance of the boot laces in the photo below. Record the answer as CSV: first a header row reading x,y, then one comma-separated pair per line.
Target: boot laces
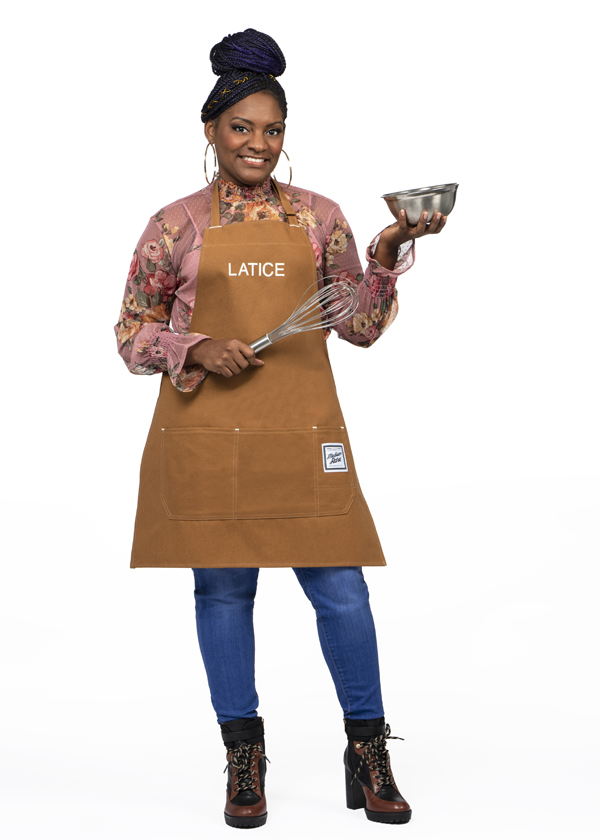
x,y
241,758
377,757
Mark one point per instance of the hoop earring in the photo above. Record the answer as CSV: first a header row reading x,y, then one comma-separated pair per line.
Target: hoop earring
x,y
215,170
290,165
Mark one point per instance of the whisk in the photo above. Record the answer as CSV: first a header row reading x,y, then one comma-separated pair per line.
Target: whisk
x,y
329,306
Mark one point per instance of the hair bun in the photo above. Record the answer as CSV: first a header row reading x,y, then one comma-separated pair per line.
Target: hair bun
x,y
247,50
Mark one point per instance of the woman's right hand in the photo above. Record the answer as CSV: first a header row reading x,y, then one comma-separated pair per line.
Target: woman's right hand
x,y
226,356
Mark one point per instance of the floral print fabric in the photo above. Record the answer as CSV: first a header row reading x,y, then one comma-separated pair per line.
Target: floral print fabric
x,y
160,292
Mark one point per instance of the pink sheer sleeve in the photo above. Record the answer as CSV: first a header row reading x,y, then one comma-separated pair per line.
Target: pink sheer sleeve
x,y
145,341
378,298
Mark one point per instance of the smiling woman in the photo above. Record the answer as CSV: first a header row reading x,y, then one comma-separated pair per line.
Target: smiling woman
x,y
248,461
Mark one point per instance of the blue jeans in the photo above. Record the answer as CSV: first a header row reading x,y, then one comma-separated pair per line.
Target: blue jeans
x,y
224,619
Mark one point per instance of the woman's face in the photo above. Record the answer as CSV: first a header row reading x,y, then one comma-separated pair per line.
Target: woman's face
x,y
248,139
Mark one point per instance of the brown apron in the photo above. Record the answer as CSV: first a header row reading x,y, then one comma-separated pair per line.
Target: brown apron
x,y
255,469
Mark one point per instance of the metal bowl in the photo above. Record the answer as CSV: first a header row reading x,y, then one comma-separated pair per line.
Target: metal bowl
x,y
437,199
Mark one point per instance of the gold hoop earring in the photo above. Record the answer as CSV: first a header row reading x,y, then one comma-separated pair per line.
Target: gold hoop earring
x,y
290,165
215,170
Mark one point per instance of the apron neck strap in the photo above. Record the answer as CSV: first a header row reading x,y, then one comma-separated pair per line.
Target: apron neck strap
x,y
215,215
291,216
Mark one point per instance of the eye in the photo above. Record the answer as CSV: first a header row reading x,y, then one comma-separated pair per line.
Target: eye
x,y
240,128
274,132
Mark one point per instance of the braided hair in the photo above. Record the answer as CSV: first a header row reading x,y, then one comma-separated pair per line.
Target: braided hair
x,y
246,62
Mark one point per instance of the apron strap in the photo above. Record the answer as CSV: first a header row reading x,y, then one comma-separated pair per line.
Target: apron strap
x,y
215,215
291,216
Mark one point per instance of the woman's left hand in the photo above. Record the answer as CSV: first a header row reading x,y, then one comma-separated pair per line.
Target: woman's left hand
x,y
395,235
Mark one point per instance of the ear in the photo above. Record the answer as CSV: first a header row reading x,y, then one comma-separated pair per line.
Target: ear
x,y
209,130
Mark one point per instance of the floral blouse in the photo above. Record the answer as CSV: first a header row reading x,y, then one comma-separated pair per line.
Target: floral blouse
x,y
160,293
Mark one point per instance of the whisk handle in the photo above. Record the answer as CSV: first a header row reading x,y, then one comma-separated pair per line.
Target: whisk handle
x,y
261,343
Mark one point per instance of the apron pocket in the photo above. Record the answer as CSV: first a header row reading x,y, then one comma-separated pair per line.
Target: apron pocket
x,y
256,473
334,471
276,474
281,473
197,468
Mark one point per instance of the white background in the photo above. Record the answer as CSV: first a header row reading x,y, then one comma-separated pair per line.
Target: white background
x,y
474,422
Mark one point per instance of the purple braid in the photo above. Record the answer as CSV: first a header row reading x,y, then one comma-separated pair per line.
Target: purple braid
x,y
246,62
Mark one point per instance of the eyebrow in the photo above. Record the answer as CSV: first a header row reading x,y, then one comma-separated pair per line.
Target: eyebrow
x,y
243,119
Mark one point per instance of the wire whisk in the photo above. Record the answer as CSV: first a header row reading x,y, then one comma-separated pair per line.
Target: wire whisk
x,y
332,304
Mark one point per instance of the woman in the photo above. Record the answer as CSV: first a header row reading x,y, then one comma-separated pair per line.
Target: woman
x,y
248,462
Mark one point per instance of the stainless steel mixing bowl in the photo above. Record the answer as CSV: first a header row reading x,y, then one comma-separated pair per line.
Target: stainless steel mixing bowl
x,y
437,199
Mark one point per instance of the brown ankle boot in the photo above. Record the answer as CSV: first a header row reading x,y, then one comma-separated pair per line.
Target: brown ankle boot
x,y
246,804
369,780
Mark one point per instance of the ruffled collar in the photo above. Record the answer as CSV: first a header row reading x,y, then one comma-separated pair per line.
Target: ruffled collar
x,y
232,192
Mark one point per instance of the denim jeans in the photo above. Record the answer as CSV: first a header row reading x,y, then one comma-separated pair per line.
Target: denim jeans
x,y
224,619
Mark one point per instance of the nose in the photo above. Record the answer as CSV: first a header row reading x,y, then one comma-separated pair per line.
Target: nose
x,y
256,142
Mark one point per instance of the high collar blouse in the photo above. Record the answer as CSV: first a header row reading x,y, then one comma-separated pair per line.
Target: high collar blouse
x,y
160,291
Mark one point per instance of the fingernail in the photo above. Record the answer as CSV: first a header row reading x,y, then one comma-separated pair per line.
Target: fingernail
x,y
402,213
438,216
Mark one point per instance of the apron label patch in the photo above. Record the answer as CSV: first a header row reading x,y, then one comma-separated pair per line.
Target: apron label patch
x,y
253,269
334,457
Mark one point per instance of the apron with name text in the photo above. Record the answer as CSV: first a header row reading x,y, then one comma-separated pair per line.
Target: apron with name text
x,y
255,469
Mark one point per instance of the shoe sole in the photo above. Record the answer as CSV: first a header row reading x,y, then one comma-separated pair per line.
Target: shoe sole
x,y
245,822
398,817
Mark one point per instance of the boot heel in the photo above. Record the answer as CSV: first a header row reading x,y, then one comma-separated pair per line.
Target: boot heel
x,y
355,797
